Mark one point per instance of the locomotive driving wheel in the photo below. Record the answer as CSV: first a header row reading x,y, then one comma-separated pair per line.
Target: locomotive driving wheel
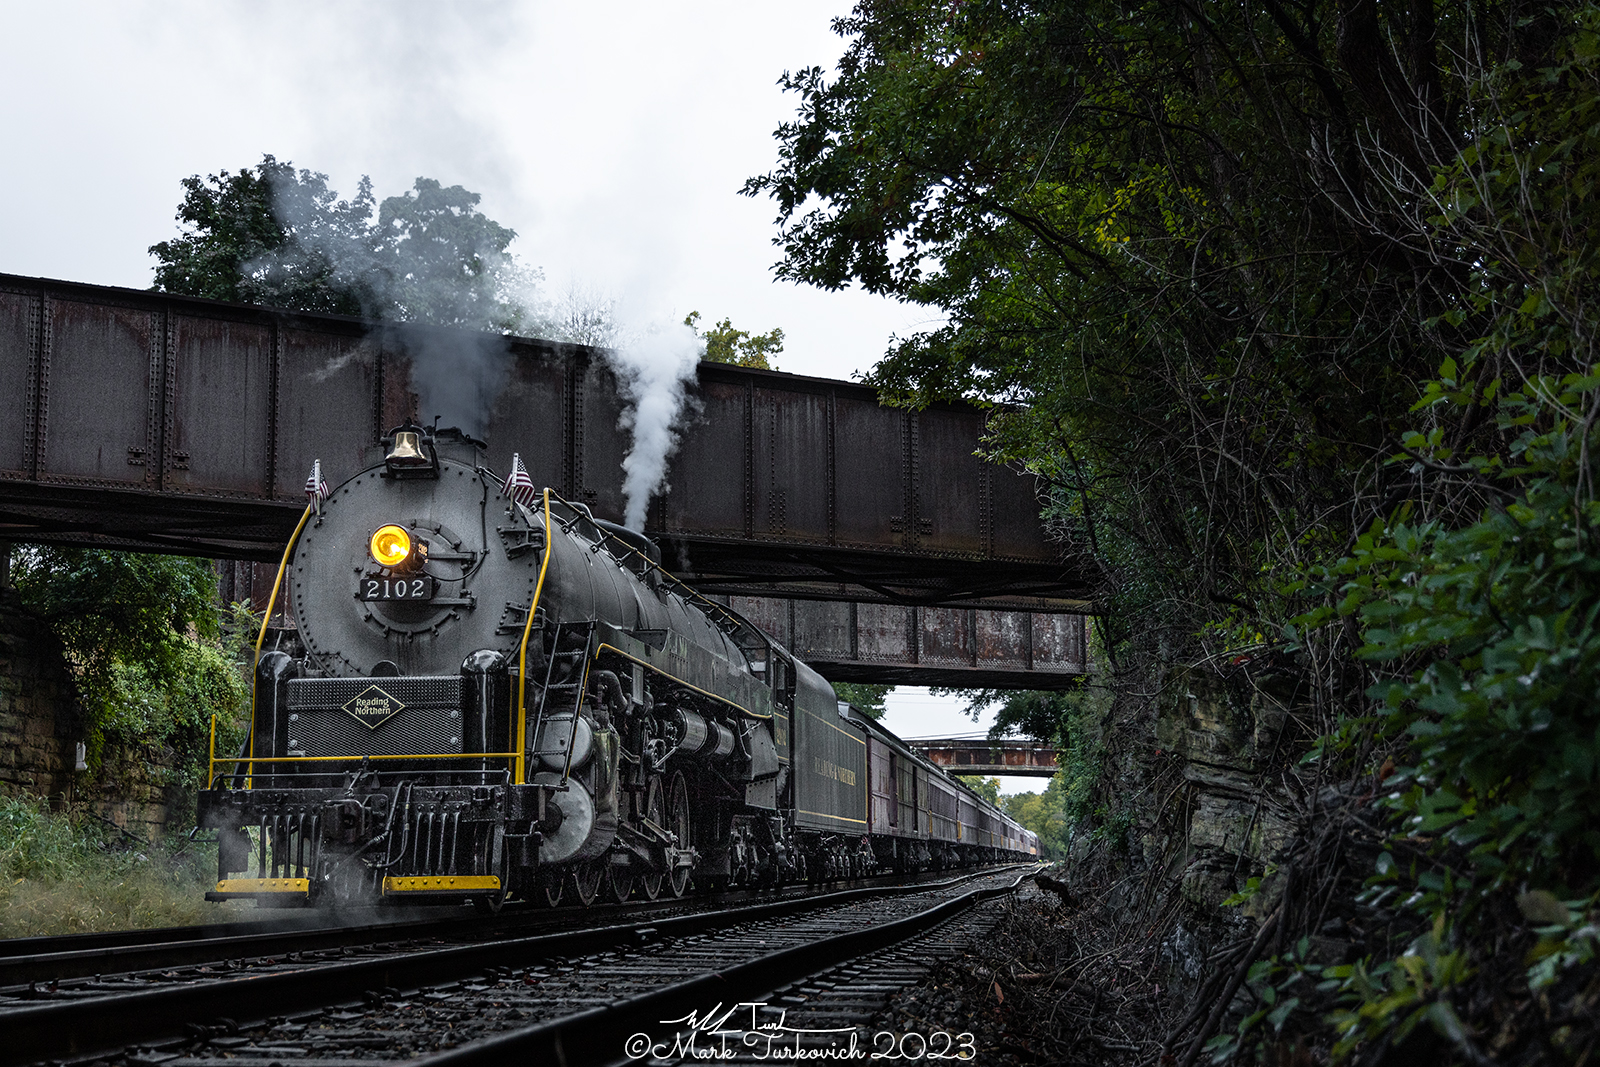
x,y
494,845
550,886
618,882
655,810
586,879
678,823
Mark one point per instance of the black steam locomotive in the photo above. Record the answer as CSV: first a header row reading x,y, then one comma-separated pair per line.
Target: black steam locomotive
x,y
499,693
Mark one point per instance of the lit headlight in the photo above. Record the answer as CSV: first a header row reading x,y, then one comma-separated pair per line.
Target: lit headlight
x,y
390,546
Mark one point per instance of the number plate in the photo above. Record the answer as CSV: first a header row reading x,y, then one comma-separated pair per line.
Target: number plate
x,y
381,587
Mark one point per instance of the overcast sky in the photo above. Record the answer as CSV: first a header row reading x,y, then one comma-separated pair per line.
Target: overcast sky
x,y
612,137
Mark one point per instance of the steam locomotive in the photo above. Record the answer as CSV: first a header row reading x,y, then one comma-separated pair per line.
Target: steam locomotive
x,y
496,692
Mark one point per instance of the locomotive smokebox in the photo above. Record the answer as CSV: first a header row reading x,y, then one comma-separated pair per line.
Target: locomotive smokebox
x,y
424,541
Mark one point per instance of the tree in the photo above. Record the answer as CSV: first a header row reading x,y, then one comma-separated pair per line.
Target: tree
x,y
1167,231
1045,814
987,788
585,316
445,261
1034,713
868,699
1298,304
725,344
274,235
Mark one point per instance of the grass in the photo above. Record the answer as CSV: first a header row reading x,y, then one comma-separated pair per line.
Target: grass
x,y
63,872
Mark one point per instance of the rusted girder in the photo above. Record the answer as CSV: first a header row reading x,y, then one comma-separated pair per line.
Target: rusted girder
x,y
176,424
972,648
960,756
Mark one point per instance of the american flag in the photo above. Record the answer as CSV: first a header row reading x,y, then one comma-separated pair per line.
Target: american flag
x,y
519,486
316,487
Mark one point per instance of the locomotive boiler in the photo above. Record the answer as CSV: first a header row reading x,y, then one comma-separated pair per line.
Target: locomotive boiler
x,y
494,691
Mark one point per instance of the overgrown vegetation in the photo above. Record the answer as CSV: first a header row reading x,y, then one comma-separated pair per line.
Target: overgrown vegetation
x,y
151,653
725,343
1299,302
64,871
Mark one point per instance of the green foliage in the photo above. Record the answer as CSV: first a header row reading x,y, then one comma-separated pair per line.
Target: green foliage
x,y
1034,713
1228,258
725,344
868,698
1479,601
239,244
1046,815
987,788
1074,721
1113,207
272,235
147,650
1506,728
1273,984
1395,997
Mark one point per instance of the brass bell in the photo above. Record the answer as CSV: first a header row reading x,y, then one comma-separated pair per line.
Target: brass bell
x,y
407,451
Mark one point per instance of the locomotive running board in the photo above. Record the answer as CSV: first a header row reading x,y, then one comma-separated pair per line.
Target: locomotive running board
x,y
247,888
446,884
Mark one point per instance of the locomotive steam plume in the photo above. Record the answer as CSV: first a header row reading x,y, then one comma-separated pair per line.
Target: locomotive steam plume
x,y
457,373
654,368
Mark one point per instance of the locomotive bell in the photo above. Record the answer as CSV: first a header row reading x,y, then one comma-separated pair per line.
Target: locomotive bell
x,y
407,451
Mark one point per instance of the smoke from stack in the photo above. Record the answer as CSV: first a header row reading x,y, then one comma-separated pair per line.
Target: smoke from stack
x,y
418,278
429,258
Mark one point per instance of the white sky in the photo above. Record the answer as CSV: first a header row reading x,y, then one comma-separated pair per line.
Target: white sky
x,y
612,137
912,712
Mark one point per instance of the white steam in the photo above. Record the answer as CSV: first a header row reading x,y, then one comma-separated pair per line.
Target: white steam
x,y
429,259
654,368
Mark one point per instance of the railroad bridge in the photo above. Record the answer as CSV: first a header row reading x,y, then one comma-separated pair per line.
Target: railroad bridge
x,y
986,757
871,540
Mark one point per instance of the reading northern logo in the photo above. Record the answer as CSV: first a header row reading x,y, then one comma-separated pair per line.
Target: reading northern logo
x,y
372,707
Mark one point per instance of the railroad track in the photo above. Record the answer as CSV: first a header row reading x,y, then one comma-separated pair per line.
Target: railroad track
x,y
36,968
393,999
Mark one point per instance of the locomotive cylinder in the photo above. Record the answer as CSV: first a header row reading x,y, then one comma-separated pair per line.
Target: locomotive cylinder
x,y
699,736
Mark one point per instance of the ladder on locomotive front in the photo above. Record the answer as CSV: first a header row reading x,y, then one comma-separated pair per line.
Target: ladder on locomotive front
x,y
552,706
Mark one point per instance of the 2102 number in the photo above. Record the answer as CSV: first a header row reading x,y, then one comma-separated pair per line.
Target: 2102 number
x,y
397,588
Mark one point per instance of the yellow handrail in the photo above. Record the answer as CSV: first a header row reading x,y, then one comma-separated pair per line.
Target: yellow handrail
x,y
521,740
265,620
399,755
720,615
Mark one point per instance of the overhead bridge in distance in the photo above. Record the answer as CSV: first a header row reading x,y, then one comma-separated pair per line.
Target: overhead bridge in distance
x,y
987,758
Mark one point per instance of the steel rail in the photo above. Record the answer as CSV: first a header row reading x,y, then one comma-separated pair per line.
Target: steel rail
x,y
596,1036
80,1028
46,959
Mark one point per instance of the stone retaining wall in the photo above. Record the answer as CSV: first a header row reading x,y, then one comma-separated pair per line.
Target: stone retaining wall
x,y
41,725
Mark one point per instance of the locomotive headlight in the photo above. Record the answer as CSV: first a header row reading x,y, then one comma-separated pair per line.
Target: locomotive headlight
x,y
390,546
